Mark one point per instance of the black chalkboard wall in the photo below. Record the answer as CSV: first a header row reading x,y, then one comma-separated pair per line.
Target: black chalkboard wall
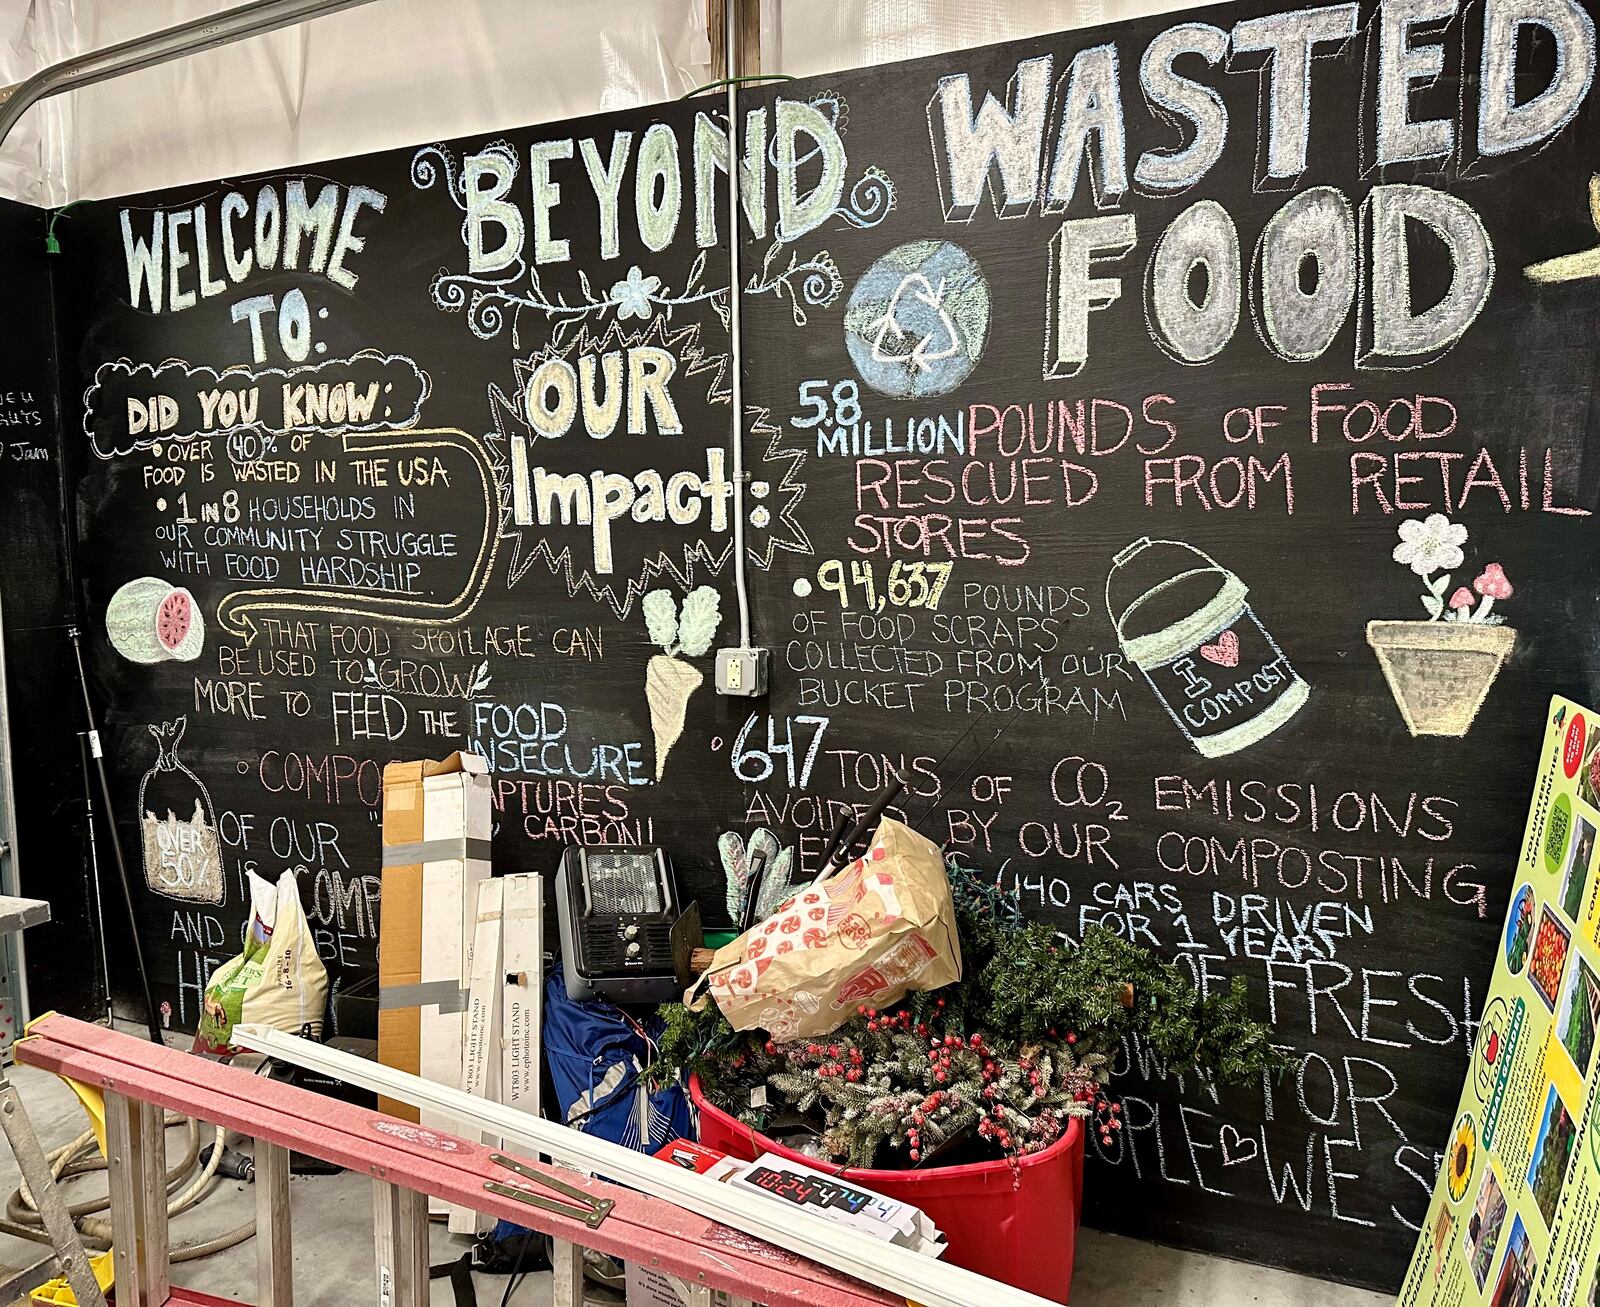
x,y
418,430
45,719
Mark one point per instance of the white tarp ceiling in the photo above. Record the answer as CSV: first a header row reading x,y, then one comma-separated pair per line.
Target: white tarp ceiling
x,y
396,72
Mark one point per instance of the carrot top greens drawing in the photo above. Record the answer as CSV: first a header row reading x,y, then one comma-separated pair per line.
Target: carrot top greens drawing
x,y
670,681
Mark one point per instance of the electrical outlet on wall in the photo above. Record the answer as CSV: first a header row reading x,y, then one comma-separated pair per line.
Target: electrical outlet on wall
x,y
743,672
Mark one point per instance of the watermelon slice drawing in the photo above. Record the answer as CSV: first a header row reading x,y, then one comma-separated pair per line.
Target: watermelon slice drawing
x,y
153,621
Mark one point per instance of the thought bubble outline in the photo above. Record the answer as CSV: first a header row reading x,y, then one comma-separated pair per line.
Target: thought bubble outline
x,y
186,371
234,609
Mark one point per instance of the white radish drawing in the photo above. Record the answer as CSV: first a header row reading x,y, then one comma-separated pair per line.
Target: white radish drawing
x,y
669,681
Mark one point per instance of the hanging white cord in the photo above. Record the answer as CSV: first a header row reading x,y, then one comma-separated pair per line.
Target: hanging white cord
x,y
737,364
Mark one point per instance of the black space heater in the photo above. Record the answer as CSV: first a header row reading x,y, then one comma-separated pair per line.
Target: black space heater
x,y
625,935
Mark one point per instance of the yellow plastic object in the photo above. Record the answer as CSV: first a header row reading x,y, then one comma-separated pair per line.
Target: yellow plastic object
x,y
94,1105
58,1293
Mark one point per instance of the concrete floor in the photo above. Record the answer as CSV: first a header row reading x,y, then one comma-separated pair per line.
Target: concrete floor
x,y
333,1250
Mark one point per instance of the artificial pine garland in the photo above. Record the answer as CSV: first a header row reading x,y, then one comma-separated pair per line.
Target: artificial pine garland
x,y
887,1084
1010,1053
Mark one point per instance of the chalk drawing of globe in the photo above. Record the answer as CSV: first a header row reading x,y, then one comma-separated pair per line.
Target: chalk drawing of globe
x,y
917,320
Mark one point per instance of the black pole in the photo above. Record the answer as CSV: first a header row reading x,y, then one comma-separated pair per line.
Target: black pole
x,y
869,819
93,883
152,1016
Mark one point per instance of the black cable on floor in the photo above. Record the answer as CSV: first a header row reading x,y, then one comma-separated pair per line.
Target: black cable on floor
x,y
513,1280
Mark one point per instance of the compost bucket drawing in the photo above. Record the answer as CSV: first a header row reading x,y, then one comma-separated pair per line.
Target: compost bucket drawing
x,y
1189,628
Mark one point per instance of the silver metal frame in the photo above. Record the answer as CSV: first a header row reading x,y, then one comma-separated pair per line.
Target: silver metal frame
x,y
158,48
13,952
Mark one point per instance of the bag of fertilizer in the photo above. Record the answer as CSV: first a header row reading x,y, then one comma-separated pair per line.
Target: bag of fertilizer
x,y
277,980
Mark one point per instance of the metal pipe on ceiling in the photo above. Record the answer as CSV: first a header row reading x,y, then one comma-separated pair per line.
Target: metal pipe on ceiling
x,y
158,48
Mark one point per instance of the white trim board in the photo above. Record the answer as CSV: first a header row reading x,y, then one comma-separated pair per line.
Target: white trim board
x,y
912,1275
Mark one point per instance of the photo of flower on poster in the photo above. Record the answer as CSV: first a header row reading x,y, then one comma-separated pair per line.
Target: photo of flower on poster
x,y
1463,1153
1552,1150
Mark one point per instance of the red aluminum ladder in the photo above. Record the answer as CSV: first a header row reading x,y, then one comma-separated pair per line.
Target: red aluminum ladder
x,y
407,1164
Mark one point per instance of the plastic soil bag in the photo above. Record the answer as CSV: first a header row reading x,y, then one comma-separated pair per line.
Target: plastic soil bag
x,y
277,980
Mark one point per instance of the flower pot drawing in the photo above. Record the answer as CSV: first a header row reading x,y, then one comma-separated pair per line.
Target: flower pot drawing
x,y
1440,672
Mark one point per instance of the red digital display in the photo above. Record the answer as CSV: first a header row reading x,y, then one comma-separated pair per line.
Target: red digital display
x,y
803,1190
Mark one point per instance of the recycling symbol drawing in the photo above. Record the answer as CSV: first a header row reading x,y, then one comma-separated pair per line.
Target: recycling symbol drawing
x,y
917,321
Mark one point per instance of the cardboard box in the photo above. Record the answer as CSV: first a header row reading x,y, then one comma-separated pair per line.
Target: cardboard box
x,y
522,1014
437,820
481,1054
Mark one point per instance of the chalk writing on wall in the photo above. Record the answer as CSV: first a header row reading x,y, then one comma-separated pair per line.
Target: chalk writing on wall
x,y
1111,402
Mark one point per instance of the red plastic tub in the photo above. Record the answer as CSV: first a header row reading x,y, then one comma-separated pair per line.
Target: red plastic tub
x,y
1023,1234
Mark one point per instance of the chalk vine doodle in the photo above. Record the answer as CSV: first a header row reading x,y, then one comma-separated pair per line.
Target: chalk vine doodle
x,y
872,196
488,299
817,278
490,296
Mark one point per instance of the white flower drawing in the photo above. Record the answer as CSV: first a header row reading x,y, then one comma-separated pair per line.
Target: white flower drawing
x,y
632,294
1431,545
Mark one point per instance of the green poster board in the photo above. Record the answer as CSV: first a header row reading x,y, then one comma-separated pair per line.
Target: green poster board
x,y
1514,1212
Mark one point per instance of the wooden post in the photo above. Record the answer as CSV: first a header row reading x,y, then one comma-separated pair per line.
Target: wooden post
x,y
693,1295
566,1260
137,1165
274,1250
747,37
400,1235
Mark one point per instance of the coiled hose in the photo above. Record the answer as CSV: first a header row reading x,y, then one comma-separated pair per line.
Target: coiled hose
x,y
82,1156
